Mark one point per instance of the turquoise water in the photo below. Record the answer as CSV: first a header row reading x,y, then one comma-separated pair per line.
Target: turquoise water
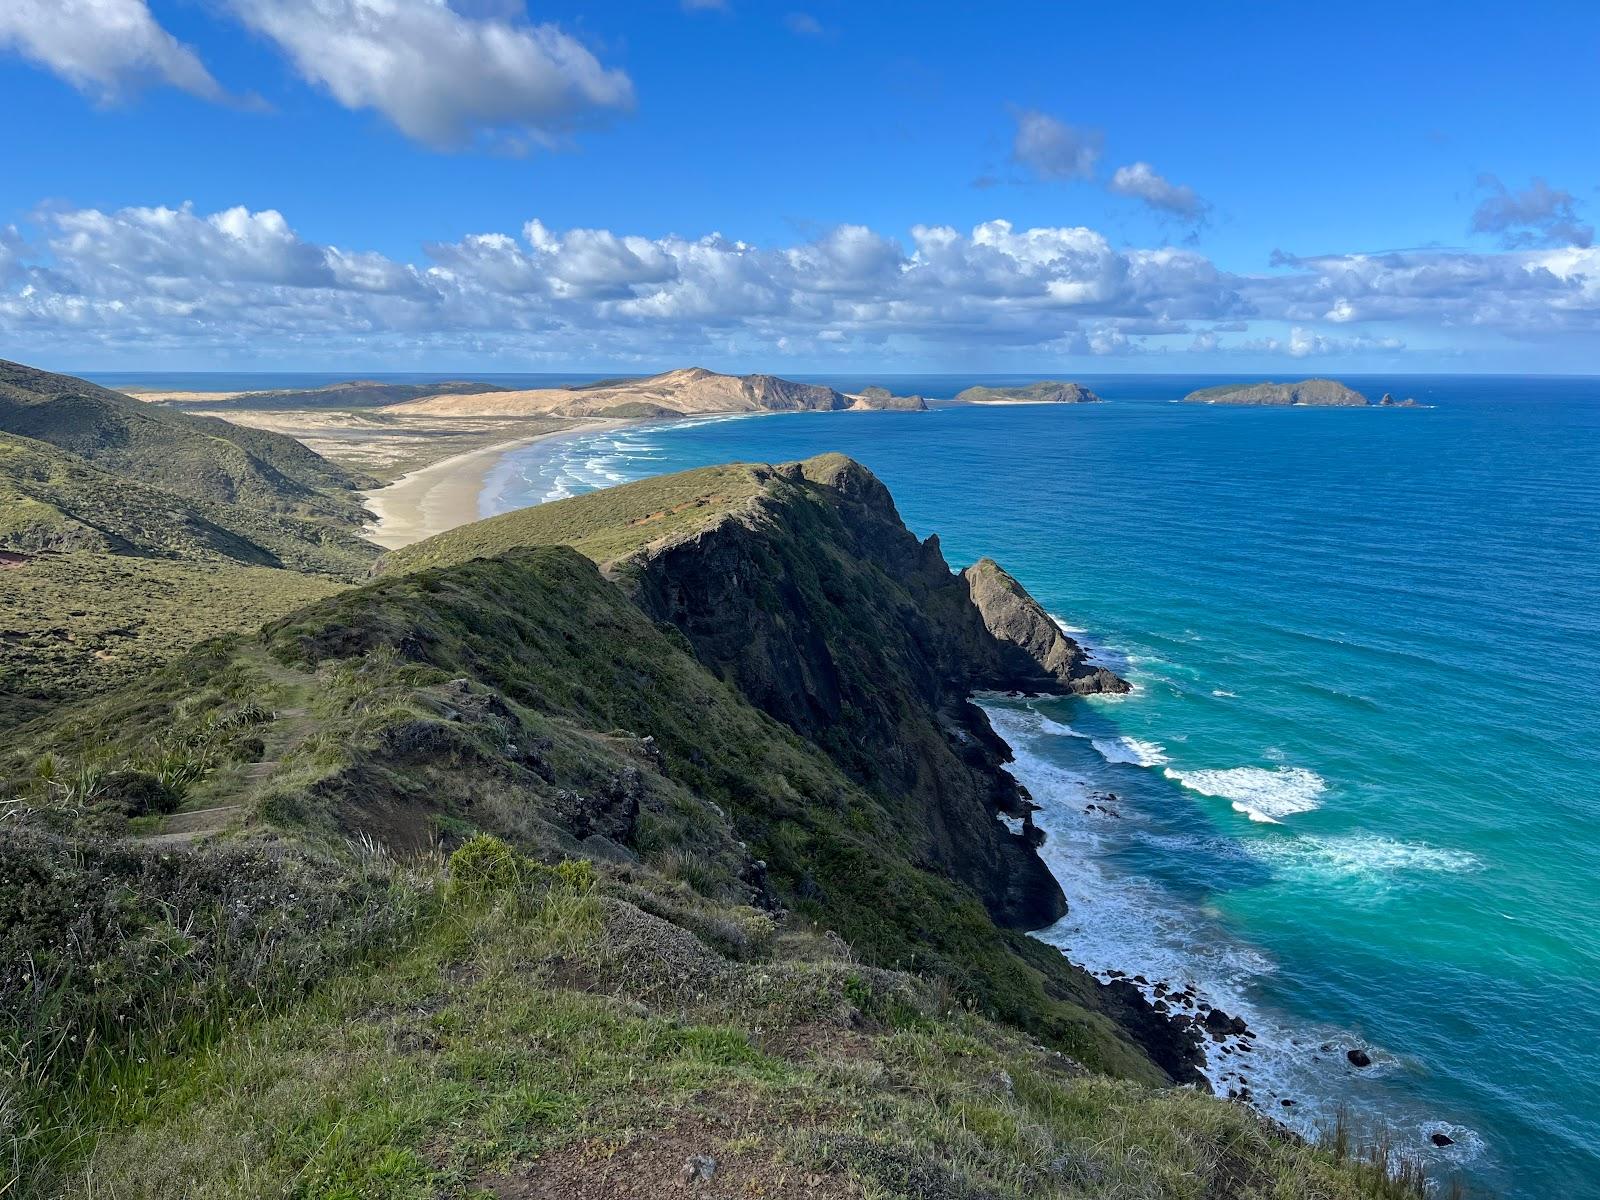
x,y
1356,786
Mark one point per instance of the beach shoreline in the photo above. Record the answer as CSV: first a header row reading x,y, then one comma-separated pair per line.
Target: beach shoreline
x,y
445,494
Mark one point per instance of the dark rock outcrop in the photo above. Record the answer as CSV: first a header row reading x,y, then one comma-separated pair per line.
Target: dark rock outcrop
x,y
1034,654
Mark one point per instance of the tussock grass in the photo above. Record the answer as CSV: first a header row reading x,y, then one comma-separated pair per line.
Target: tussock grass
x,y
524,1024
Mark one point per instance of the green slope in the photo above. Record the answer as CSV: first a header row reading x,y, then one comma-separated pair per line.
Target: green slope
x,y
498,878
131,533
201,458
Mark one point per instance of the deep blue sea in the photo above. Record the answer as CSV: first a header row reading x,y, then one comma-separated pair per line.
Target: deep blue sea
x,y
1356,792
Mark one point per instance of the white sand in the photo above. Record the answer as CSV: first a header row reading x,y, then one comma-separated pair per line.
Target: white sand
x,y
444,494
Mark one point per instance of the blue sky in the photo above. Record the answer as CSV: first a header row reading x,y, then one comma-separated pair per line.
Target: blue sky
x,y
323,184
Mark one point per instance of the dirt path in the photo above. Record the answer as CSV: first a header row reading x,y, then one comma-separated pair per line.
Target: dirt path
x,y
225,804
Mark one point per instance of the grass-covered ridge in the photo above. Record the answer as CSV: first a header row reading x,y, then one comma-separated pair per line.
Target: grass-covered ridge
x,y
549,1035
496,878
604,526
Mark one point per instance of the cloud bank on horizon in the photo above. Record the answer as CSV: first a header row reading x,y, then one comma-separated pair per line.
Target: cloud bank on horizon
x,y
165,277
236,279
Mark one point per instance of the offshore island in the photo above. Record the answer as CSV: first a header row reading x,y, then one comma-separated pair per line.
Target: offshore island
x,y
1307,393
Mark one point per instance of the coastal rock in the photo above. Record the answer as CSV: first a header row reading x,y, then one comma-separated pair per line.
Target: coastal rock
x,y
882,399
1441,1139
1307,393
1046,391
1358,1057
1042,654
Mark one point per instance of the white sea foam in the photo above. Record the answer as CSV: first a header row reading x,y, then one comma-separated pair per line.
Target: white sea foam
x,y
1059,729
1120,926
1259,793
1131,750
1224,694
1362,859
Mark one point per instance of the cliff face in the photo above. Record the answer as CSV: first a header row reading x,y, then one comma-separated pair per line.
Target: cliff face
x,y
819,605
800,588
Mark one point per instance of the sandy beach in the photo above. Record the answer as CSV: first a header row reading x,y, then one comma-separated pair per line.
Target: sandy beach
x,y
444,494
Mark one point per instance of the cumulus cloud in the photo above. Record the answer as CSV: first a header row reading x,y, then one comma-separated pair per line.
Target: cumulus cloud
x,y
1140,181
241,281
443,78
1053,149
1531,293
105,48
1538,215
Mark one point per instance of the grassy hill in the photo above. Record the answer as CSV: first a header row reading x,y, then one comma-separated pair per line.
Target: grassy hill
x,y
201,458
693,936
501,877
133,533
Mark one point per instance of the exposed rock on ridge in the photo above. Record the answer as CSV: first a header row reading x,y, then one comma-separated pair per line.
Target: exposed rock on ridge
x,y
821,607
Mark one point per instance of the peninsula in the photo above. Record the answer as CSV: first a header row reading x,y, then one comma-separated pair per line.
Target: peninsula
x,y
689,391
1046,391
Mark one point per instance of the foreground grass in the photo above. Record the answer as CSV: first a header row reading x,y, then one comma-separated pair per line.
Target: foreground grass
x,y
558,1036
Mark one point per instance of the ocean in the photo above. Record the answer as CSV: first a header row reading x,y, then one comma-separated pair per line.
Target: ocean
x,y
1354,796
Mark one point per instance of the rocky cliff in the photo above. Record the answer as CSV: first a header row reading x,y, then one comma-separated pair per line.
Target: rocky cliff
x,y
1038,655
823,609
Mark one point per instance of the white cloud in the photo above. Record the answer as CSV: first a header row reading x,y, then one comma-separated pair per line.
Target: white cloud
x,y
1053,149
442,78
106,48
243,282
1141,182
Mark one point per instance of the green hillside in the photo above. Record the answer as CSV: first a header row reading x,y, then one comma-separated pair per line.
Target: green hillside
x,y
130,534
201,458
499,878
668,986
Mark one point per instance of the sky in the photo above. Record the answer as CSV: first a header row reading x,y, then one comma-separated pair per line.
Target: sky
x,y
449,185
